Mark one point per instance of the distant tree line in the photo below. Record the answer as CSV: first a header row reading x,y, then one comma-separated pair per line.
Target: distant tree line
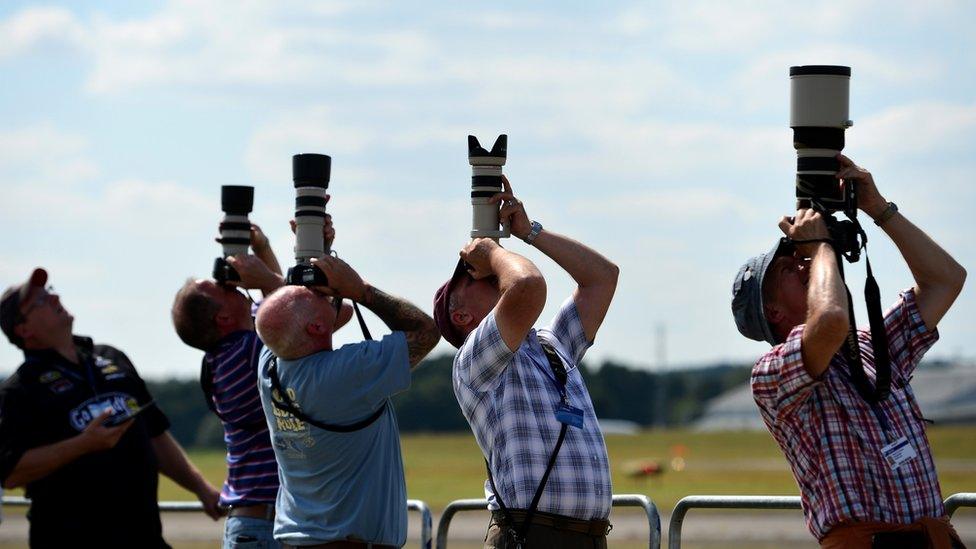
x,y
672,398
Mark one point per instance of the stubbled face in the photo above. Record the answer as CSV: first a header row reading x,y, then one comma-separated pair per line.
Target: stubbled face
x,y
45,319
785,287
477,298
233,303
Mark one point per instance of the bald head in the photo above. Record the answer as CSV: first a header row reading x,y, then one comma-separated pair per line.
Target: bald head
x,y
294,322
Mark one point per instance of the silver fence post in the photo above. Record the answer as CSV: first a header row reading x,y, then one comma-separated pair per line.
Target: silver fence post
x,y
653,517
962,499
426,519
457,505
723,502
623,500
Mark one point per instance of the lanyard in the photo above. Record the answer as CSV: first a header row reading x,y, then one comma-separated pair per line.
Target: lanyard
x,y
89,363
875,406
558,375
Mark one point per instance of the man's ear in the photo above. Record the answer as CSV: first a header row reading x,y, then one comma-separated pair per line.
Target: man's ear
x,y
773,314
22,331
317,329
461,318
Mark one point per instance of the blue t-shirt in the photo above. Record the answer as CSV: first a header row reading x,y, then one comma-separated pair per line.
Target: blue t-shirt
x,y
340,486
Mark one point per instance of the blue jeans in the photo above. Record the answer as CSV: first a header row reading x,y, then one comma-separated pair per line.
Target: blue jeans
x,y
249,533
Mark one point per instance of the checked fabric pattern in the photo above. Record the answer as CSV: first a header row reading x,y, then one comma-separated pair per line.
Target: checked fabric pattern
x,y
509,399
832,438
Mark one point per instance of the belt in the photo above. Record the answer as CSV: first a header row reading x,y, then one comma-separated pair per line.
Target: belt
x,y
264,511
595,527
345,544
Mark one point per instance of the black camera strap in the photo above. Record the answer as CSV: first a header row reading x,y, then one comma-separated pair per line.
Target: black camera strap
x,y
359,316
519,533
285,403
876,393
288,405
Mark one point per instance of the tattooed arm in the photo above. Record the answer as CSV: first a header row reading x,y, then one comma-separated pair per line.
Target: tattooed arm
x,y
401,315
398,313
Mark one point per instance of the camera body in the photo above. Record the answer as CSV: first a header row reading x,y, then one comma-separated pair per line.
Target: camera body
x,y
310,173
819,116
486,181
236,201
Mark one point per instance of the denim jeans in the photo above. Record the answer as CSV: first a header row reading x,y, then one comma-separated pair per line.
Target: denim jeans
x,y
249,533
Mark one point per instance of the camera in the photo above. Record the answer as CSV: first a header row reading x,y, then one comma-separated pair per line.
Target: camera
x,y
486,181
236,201
819,115
310,173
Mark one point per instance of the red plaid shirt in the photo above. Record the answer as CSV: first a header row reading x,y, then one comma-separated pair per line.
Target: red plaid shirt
x,y
832,438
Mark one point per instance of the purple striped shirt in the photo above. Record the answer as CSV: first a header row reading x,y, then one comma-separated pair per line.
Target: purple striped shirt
x,y
252,472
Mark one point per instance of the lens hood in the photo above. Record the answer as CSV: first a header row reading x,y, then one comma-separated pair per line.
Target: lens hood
x,y
236,199
311,170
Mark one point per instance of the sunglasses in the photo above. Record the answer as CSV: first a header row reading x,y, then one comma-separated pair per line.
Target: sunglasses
x,y
39,300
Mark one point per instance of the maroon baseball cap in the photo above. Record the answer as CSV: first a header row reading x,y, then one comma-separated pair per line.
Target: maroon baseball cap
x,y
442,306
13,296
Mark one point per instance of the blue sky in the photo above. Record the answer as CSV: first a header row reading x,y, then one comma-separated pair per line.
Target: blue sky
x,y
655,132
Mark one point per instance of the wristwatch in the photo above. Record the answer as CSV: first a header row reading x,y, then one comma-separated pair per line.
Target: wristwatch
x,y
887,214
534,232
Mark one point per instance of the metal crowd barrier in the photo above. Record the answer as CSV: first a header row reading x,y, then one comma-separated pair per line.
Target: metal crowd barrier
x,y
195,506
962,499
723,502
622,500
952,503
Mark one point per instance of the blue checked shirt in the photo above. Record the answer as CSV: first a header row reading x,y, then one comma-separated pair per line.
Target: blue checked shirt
x,y
509,399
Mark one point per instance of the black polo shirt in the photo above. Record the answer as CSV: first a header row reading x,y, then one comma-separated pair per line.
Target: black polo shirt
x,y
107,497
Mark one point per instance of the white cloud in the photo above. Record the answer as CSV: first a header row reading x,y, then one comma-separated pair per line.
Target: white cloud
x,y
39,29
666,206
920,130
40,153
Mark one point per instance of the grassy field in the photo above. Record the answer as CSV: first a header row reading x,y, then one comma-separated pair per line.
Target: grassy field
x,y
441,468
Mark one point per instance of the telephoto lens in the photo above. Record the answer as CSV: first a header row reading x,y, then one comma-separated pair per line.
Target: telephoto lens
x,y
310,173
819,104
486,181
236,201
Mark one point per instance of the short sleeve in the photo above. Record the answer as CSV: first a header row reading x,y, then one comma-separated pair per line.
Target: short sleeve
x,y
780,382
156,421
567,328
383,368
235,388
908,337
483,356
14,411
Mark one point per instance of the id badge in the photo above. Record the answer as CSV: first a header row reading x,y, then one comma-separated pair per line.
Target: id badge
x,y
898,452
569,415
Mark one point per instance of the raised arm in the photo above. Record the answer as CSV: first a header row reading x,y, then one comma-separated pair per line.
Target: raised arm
x,y
827,320
938,277
397,313
262,249
522,289
595,275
